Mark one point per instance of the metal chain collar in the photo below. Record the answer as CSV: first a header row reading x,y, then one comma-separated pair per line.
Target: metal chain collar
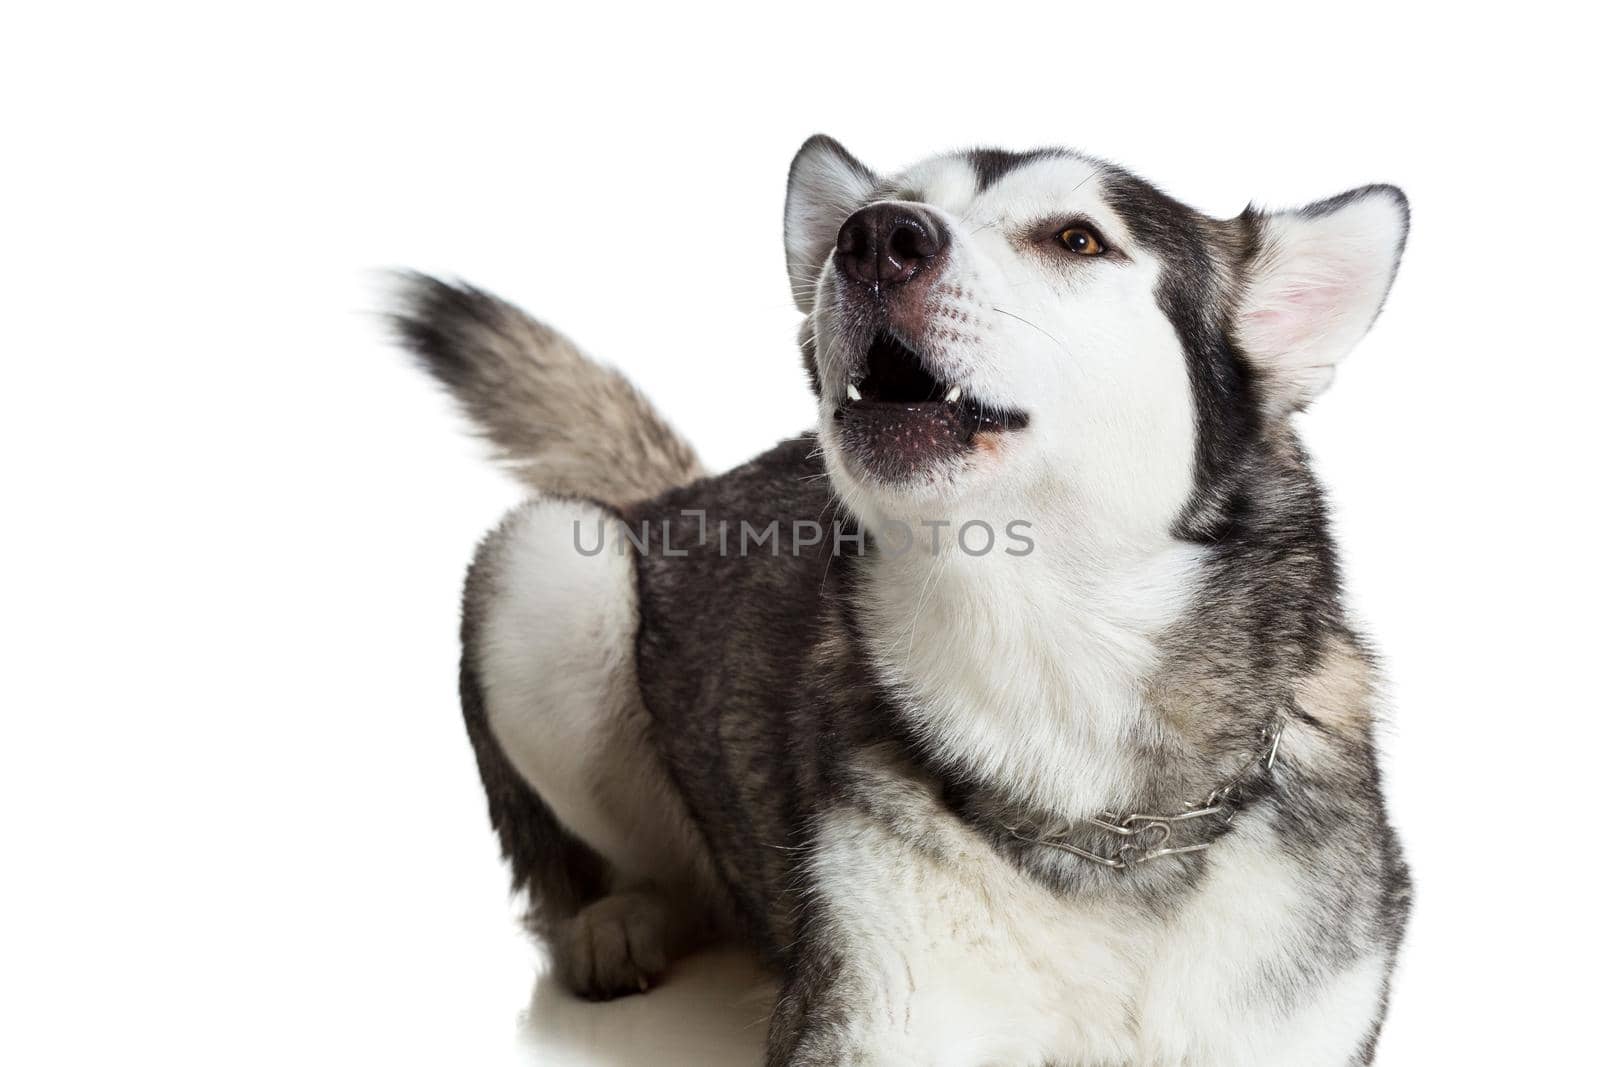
x,y
1145,837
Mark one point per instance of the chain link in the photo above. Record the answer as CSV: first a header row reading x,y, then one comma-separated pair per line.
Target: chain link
x,y
1145,837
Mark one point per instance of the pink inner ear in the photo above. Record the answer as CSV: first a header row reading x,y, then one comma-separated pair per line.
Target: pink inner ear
x,y
1295,314
1320,278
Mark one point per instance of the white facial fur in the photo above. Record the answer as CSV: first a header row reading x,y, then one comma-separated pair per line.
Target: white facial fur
x,y
1078,343
1081,343
1030,670
1028,666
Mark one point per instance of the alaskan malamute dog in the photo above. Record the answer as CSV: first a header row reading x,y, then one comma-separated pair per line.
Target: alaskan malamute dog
x,y
1012,714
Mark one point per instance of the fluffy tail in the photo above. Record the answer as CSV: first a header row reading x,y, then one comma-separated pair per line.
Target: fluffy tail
x,y
561,422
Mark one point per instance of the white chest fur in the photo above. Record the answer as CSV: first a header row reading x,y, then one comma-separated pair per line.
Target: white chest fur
x,y
1028,670
968,962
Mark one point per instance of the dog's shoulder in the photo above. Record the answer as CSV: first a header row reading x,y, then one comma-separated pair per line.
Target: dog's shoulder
x,y
740,656
731,571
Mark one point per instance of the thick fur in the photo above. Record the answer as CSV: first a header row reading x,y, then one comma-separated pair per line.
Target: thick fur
x,y
560,422
829,748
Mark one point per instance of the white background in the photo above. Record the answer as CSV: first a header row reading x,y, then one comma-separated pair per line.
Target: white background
x,y
239,819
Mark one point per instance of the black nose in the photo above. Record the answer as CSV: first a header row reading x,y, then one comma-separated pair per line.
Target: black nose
x,y
888,243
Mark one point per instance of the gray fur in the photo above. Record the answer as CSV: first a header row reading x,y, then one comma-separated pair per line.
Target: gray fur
x,y
766,736
772,723
560,422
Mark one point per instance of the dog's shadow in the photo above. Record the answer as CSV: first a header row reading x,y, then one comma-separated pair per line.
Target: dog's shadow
x,y
710,1011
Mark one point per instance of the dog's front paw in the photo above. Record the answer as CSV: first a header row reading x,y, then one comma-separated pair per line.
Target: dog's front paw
x,y
613,947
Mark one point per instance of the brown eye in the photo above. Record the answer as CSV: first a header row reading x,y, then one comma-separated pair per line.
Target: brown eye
x,y
1082,241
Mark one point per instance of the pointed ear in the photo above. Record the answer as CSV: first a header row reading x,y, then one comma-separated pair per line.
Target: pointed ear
x,y
826,184
1315,284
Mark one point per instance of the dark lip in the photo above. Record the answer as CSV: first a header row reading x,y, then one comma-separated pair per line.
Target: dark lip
x,y
902,424
975,417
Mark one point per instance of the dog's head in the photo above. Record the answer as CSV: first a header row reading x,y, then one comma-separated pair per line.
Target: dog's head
x,y
991,331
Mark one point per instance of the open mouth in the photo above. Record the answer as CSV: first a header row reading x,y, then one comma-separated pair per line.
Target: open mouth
x,y
898,418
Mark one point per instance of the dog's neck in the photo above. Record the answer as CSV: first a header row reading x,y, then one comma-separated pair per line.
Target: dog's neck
x,y
1026,672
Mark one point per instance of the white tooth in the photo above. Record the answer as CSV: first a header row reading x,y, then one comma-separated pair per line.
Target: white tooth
x,y
953,395
852,392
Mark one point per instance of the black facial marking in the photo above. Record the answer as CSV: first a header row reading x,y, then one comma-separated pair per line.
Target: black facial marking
x,y
1192,293
992,164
